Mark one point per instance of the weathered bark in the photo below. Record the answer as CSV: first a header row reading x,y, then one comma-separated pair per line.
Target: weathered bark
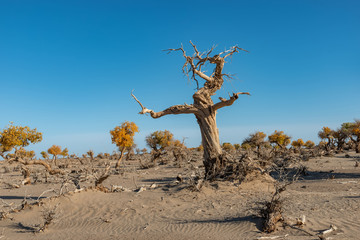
x,y
55,160
203,107
213,160
120,158
213,155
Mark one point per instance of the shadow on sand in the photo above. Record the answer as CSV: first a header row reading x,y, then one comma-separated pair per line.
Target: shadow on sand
x,y
19,198
252,219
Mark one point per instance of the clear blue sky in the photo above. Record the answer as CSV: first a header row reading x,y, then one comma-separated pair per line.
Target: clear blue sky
x,y
67,67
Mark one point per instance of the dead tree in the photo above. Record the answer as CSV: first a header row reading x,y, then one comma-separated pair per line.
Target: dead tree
x,y
203,107
36,162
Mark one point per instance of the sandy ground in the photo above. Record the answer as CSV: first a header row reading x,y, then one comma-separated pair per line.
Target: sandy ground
x,y
166,209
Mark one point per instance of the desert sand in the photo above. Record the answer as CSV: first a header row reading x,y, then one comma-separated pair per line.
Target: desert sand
x,y
155,203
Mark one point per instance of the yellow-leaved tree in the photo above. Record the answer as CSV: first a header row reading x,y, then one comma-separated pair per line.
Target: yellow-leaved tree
x,y
158,141
237,146
256,140
23,153
228,147
123,137
327,133
44,154
16,138
246,146
309,144
355,134
64,152
298,144
279,139
54,150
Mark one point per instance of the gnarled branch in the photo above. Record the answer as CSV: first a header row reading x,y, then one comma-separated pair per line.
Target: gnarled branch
x,y
103,177
224,102
37,162
143,109
231,51
194,68
176,109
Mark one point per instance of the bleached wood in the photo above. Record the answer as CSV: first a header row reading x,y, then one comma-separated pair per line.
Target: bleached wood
x,y
332,228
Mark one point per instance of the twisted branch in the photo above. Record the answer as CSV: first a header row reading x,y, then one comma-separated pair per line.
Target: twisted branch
x,y
144,110
224,102
176,109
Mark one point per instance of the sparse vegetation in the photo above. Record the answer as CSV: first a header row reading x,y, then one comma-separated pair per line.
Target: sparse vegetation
x,y
327,134
16,138
64,152
255,140
158,141
256,158
271,211
355,134
55,150
298,144
309,144
228,147
279,139
49,215
44,154
123,137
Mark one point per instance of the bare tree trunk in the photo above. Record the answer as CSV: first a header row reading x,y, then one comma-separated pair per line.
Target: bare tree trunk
x,y
55,160
120,158
156,154
213,160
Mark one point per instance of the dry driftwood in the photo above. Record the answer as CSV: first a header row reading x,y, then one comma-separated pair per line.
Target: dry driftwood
x,y
103,177
37,162
26,174
323,234
301,221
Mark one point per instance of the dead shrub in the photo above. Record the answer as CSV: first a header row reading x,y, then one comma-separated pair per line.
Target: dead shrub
x,y
271,211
